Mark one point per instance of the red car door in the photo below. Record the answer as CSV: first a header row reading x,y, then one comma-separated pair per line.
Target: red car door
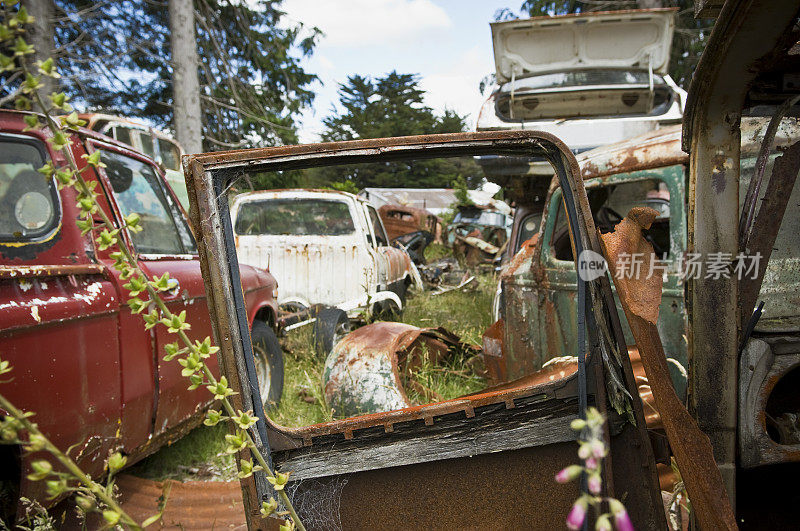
x,y
164,245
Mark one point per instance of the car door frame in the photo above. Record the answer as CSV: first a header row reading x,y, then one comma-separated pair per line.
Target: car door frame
x,y
557,287
209,175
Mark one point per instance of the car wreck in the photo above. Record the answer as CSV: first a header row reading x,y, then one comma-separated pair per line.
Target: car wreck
x,y
491,456
525,423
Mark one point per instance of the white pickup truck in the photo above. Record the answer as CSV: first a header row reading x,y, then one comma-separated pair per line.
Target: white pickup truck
x,y
324,247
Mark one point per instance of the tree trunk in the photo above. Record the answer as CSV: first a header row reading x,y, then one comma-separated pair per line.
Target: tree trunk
x,y
41,36
185,84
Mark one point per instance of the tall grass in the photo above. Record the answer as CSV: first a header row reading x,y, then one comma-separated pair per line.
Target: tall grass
x,y
465,312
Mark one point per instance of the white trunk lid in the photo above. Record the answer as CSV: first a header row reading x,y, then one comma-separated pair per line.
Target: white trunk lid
x,y
631,40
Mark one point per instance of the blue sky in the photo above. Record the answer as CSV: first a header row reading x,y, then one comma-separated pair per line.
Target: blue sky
x,y
447,42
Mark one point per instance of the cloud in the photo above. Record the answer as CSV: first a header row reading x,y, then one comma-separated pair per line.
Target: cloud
x,y
456,87
368,22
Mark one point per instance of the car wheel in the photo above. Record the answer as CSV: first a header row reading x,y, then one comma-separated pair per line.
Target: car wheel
x,y
331,325
269,363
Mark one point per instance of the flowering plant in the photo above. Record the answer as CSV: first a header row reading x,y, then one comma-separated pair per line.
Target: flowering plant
x,y
592,450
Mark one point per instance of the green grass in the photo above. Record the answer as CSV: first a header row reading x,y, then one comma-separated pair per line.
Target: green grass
x,y
465,312
434,251
200,455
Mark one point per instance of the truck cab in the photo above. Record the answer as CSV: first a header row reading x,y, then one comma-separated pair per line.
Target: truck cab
x,y
325,247
85,364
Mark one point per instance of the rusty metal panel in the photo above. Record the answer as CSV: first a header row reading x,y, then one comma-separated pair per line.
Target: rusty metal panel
x,y
749,38
369,369
640,297
767,406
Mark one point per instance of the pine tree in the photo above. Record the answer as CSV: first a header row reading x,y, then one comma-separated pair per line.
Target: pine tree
x,y
388,106
115,56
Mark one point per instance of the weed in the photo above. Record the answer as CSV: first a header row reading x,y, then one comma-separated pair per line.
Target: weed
x,y
466,313
199,455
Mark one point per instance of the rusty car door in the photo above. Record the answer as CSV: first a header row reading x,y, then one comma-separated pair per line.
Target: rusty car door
x,y
487,457
395,260
558,285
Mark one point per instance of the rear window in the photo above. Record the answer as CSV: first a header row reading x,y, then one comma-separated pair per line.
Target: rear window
x,y
170,156
28,202
481,218
309,217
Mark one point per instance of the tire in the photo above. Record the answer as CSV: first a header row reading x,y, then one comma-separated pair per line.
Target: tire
x,y
269,364
331,325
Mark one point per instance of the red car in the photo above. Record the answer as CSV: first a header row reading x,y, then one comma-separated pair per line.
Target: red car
x,y
88,368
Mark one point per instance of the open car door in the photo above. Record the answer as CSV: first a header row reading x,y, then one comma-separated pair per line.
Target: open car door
x,y
462,463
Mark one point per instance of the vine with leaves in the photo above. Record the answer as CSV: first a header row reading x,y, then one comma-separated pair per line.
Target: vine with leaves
x,y
144,299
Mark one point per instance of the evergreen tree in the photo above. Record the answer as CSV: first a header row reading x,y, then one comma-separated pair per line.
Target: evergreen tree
x,y
392,105
115,56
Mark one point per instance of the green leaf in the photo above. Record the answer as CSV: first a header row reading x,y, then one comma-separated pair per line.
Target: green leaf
x,y
72,121
176,322
132,222
32,121
106,239
48,169
5,34
172,350
267,508
47,67
245,420
197,380
212,417
153,519
111,517
59,100
221,389
5,366
151,319
23,17
136,285
22,103
137,305
41,469
59,140
94,160
31,83
279,481
205,349
85,225
56,487
191,364
36,442
236,442
116,462
162,283
85,503
21,47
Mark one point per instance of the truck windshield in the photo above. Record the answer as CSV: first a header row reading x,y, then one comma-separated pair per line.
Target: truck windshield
x,y
481,217
311,217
